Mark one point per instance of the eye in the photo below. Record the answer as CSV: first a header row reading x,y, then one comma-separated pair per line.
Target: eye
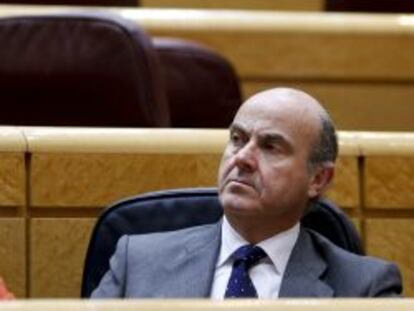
x,y
235,138
270,147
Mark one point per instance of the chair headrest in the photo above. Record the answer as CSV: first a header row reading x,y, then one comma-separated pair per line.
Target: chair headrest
x,y
79,69
202,86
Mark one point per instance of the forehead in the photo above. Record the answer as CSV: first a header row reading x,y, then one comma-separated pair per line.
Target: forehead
x,y
284,114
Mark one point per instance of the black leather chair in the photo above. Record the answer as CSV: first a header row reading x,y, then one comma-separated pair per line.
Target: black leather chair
x,y
79,69
370,6
202,86
181,208
76,2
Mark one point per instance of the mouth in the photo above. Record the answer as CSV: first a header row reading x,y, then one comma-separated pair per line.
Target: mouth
x,y
240,182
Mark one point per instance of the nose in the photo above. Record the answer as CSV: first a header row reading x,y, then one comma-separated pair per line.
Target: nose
x,y
246,158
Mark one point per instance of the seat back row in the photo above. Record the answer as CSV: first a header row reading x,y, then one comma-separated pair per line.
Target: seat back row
x,y
90,69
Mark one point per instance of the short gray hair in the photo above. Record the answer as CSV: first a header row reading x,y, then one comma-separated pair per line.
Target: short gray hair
x,y
326,147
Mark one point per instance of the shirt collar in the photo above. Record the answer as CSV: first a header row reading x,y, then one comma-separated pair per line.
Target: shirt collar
x,y
278,247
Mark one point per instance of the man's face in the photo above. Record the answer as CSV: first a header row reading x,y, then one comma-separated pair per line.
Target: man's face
x,y
264,171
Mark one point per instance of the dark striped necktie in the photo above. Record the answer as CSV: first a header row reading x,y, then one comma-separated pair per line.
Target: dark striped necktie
x,y
240,285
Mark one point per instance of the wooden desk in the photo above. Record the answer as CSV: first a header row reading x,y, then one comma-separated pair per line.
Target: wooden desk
x,y
207,305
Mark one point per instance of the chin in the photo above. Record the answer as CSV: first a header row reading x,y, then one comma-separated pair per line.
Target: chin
x,y
237,204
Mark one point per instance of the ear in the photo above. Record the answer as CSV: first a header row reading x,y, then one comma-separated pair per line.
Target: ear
x,y
321,177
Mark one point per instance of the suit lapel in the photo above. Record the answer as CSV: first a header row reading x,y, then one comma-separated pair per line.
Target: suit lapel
x,y
189,273
304,270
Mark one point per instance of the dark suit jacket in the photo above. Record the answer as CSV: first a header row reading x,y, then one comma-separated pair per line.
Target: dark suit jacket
x,y
181,264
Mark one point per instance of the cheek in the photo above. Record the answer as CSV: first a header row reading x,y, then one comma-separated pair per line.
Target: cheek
x,y
284,180
226,165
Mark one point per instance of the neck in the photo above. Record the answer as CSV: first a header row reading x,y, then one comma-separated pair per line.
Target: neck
x,y
256,231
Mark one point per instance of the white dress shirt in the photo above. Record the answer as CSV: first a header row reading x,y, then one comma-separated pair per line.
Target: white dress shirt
x,y
267,274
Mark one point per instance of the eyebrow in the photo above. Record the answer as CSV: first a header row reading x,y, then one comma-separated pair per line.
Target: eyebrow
x,y
238,127
276,138
271,137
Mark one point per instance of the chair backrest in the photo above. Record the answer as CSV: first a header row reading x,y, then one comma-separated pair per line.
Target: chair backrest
x,y
176,209
202,87
383,6
79,69
77,2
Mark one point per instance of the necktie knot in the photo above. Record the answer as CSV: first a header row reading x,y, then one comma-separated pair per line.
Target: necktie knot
x,y
249,255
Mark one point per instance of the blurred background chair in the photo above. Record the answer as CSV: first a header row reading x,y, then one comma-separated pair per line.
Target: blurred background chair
x,y
182,208
77,2
79,70
383,6
97,70
202,87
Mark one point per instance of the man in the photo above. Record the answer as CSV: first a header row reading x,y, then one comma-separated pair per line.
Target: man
x,y
280,156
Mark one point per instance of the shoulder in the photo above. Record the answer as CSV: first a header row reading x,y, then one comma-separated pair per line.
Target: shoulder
x,y
332,252
171,239
351,271
186,232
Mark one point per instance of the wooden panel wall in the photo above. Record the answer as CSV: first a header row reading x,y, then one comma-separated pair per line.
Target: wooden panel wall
x,y
299,5
56,181
358,66
389,202
12,210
